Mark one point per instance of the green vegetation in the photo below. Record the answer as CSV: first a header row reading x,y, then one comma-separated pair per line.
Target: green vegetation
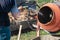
x,y
40,1
28,35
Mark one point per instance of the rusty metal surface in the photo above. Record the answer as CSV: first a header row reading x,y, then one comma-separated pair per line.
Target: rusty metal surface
x,y
14,24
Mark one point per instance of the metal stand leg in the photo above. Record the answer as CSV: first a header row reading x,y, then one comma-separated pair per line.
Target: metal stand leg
x,y
38,32
19,32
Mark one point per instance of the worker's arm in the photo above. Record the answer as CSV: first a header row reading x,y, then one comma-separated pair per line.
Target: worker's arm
x,y
15,12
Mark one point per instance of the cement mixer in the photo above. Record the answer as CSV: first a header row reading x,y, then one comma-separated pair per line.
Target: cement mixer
x,y
49,17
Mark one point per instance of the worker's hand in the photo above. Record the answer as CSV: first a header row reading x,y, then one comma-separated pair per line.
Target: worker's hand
x,y
17,16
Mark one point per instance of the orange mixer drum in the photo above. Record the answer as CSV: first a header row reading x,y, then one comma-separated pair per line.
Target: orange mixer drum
x,y
49,17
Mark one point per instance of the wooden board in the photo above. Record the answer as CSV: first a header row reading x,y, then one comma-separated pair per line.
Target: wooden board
x,y
49,37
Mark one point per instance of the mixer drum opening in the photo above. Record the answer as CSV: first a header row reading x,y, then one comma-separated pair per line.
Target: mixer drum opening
x,y
45,15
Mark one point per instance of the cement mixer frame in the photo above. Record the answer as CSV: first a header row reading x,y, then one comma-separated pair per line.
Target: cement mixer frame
x,y
37,30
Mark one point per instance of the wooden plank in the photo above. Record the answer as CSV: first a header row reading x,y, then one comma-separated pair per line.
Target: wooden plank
x,y
49,37
37,38
46,37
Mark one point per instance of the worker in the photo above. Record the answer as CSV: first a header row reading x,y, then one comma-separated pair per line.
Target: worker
x,y
7,6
